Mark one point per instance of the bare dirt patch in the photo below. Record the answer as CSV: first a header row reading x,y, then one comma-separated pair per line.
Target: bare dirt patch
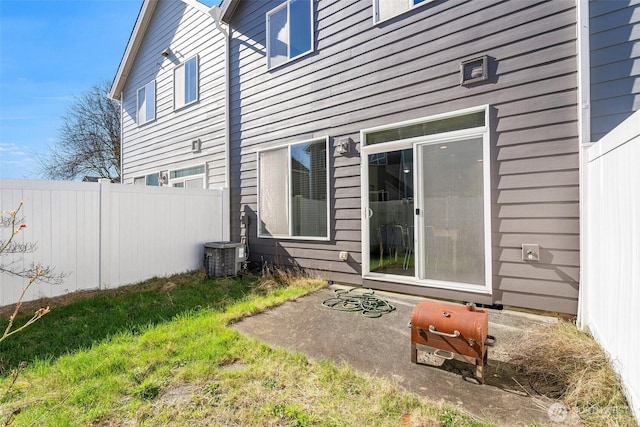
x,y
179,394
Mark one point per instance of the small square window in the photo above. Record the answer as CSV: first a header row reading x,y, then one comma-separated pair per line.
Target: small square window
x,y
146,110
185,83
289,31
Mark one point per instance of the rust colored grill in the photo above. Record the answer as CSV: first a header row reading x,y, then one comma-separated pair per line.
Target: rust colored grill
x,y
451,331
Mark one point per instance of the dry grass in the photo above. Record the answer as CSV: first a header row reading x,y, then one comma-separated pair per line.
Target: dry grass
x,y
563,363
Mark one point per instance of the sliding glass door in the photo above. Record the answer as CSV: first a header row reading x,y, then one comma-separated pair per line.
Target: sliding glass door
x,y
426,201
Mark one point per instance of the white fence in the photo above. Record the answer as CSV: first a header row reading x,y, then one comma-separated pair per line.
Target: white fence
x,y
610,285
108,235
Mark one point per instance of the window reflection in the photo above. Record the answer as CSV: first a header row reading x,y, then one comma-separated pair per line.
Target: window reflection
x,y
391,231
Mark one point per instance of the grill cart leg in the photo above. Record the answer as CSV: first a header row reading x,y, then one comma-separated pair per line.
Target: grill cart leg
x,y
480,367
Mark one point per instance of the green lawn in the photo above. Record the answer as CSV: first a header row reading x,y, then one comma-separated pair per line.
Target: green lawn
x,y
163,353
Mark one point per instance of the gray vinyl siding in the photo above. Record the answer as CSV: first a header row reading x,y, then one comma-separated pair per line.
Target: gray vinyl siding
x,y
614,28
362,75
165,143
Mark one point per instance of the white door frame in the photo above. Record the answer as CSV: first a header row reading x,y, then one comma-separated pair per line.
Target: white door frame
x,y
414,143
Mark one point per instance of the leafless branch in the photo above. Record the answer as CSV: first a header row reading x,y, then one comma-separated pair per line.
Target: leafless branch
x,y
89,143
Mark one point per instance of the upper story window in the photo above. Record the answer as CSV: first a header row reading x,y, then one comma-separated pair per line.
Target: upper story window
x,y
289,31
385,9
185,83
147,102
293,189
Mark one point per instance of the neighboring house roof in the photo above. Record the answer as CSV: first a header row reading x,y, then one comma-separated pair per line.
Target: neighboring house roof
x,y
137,35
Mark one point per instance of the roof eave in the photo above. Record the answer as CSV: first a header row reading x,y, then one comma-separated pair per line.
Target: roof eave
x,y
135,40
228,7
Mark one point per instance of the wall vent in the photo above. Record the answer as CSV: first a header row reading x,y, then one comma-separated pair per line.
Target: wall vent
x,y
474,70
196,145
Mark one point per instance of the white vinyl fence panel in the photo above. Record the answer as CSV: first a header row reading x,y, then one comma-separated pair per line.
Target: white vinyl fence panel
x,y
108,235
611,263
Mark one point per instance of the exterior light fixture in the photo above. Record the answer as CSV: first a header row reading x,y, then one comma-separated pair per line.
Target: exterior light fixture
x,y
343,146
196,145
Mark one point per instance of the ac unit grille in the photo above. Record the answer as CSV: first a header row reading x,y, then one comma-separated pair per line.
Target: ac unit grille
x,y
222,259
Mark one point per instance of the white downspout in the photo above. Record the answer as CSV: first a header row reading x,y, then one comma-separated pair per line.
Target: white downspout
x,y
584,141
215,14
121,137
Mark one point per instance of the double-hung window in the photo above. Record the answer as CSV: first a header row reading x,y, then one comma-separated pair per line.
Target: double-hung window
x,y
185,83
147,102
289,31
293,191
385,9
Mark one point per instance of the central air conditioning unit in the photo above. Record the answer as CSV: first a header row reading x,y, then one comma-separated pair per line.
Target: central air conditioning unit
x,y
223,259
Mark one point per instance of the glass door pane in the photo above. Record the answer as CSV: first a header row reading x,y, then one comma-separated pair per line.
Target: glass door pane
x,y
391,209
452,211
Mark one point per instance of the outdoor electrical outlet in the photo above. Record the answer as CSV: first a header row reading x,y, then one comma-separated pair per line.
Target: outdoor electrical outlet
x,y
344,255
530,252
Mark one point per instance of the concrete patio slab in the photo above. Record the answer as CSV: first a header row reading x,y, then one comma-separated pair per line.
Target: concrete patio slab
x,y
381,347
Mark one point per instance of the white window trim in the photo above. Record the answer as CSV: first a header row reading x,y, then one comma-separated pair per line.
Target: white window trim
x,y
290,236
482,131
303,54
146,87
197,98
412,7
182,179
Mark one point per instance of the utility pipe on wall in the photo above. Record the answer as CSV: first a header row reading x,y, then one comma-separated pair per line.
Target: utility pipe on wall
x,y
215,14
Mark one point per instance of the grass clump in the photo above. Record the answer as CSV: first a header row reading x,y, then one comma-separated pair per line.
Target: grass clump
x,y
565,363
164,353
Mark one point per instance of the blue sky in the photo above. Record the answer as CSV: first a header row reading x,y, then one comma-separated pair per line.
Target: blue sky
x,y
50,52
